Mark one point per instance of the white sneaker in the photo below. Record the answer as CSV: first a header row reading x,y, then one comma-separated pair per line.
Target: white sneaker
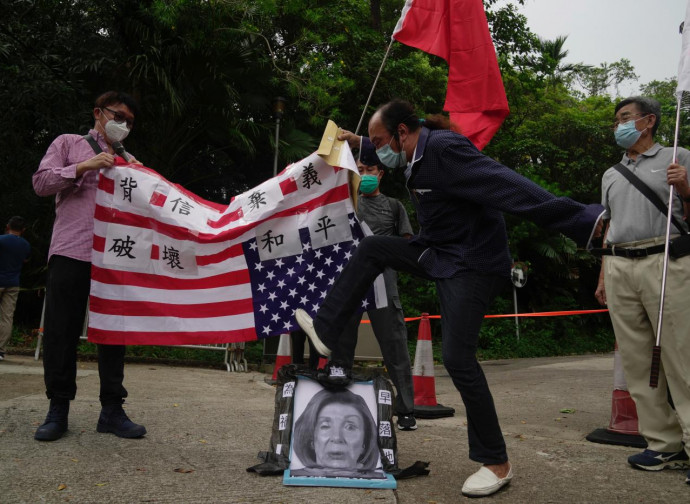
x,y
307,324
484,482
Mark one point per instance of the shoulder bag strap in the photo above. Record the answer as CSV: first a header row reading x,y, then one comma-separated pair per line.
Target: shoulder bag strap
x,y
396,212
92,142
648,193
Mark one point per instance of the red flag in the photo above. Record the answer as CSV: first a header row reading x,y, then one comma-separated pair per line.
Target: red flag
x,y
457,31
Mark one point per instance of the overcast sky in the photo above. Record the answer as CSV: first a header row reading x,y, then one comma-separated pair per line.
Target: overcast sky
x,y
643,31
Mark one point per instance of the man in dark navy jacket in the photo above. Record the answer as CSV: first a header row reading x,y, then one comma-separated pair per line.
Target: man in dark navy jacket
x,y
459,196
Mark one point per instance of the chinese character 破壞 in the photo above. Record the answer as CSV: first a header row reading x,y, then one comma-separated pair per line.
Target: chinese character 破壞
x,y
122,247
172,255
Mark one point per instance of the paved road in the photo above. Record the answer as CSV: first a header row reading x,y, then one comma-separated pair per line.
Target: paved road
x,y
207,426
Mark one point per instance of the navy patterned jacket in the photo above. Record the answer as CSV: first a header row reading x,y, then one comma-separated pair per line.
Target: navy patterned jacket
x,y
460,195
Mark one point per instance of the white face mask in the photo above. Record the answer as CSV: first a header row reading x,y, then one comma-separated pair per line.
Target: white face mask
x,y
116,131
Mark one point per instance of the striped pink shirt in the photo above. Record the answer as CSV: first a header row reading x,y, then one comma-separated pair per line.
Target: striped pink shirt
x,y
75,198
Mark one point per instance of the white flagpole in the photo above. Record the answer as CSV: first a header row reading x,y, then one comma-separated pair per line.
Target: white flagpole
x,y
397,28
683,85
371,93
656,350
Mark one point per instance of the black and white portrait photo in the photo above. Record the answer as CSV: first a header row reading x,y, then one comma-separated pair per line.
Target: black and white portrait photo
x,y
335,434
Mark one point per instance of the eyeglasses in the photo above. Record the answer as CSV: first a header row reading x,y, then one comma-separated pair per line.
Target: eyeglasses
x,y
120,117
624,119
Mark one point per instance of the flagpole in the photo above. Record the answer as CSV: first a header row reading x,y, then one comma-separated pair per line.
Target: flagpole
x,y
371,93
656,350
683,85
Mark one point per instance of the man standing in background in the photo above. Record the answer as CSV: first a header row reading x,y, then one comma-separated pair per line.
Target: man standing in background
x,y
630,280
14,252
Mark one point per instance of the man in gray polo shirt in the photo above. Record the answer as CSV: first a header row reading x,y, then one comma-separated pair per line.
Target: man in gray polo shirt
x,y
384,216
630,282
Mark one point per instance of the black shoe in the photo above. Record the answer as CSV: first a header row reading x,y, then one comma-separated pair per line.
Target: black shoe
x,y
335,374
407,422
114,419
55,424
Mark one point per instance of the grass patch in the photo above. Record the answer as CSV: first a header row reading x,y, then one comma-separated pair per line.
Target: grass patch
x,y
539,337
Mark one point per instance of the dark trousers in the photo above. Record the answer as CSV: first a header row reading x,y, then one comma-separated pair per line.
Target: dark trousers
x,y
464,300
389,328
298,338
67,292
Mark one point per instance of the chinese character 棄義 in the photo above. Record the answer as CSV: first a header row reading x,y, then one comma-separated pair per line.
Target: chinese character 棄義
x,y
256,199
310,176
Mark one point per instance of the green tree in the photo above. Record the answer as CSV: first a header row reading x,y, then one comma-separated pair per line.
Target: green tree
x,y
665,92
206,72
606,77
549,61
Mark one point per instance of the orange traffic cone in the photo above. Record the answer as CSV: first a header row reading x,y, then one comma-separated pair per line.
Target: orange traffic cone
x,y
623,428
283,355
425,405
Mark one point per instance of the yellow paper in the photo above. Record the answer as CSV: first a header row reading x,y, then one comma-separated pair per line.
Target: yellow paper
x,y
335,153
330,148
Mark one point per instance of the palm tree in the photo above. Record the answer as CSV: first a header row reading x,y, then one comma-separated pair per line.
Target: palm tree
x,y
550,61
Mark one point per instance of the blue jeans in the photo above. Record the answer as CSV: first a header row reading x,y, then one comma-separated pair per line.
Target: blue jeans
x,y
464,300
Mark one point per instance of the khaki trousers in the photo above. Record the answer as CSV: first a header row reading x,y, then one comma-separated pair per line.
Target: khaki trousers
x,y
8,302
633,287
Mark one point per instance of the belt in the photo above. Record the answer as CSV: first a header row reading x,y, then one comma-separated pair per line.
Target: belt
x,y
630,253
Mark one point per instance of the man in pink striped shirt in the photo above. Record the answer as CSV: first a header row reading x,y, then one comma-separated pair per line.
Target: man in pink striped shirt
x,y
69,171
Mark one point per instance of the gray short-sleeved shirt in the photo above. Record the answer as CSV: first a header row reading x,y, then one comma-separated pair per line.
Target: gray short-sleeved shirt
x,y
633,216
376,211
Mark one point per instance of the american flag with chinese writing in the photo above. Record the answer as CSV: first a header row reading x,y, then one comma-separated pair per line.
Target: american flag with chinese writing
x,y
171,268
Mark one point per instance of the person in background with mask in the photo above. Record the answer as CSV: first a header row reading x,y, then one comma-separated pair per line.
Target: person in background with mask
x,y
630,282
459,196
385,216
69,171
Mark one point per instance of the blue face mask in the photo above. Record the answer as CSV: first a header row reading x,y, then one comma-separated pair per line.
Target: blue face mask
x,y
627,134
391,159
368,184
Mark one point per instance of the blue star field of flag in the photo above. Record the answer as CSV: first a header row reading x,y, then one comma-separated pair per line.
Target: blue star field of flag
x,y
280,286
